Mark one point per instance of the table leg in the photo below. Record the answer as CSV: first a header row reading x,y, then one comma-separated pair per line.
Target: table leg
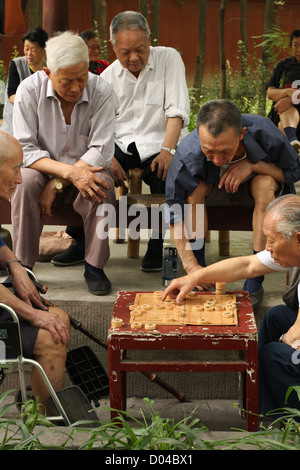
x,y
116,379
252,386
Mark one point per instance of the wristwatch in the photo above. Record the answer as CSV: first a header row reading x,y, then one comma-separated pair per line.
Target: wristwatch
x,y
58,185
171,151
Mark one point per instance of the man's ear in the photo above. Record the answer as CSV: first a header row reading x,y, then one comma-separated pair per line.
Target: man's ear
x,y
243,133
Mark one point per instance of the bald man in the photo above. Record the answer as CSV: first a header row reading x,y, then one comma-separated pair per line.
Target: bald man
x,y
44,333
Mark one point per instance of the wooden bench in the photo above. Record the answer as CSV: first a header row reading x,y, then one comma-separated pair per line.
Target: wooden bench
x,y
220,218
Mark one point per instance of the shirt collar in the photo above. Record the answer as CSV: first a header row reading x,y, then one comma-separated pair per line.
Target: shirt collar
x,y
150,64
51,92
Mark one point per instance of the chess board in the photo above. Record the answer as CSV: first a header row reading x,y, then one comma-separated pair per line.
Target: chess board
x,y
149,311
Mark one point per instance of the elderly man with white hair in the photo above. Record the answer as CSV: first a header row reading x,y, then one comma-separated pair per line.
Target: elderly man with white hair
x,y
64,121
279,334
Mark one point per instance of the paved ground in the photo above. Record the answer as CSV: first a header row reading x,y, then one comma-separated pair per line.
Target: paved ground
x,y
67,284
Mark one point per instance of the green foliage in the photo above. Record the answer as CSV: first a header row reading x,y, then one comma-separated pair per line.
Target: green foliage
x,y
3,72
159,434
148,432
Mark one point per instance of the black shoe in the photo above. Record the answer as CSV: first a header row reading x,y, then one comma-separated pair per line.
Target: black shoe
x,y
96,285
152,261
72,255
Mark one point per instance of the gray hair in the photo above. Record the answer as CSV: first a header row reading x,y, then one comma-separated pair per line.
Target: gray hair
x,y
128,20
287,210
65,50
219,115
8,146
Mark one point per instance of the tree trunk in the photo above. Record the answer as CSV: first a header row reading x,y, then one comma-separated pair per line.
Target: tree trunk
x,y
268,22
222,48
35,13
244,46
155,13
200,59
143,8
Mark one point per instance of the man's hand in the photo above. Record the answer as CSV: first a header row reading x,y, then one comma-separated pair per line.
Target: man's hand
x,y
163,162
52,322
235,175
284,103
24,288
118,173
88,183
292,336
47,197
180,287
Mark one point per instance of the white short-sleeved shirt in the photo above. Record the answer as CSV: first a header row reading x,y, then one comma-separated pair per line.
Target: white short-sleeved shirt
x,y
265,257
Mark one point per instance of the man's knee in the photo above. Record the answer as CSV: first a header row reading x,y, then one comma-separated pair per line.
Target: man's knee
x,y
45,346
200,193
263,189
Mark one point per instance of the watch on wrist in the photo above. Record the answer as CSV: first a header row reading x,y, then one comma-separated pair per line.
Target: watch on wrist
x,y
171,151
58,185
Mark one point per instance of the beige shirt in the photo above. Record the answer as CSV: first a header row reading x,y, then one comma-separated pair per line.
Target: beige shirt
x,y
40,127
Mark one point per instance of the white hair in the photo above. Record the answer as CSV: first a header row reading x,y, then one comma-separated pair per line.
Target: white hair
x,y
287,210
126,21
8,147
65,50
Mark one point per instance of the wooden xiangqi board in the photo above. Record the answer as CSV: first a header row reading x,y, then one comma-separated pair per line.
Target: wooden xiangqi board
x,y
210,309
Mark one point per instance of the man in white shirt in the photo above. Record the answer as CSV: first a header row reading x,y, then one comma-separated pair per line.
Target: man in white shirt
x,y
64,121
279,334
151,109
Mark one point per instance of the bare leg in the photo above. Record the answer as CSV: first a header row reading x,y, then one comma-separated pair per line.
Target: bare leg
x,y
52,357
263,190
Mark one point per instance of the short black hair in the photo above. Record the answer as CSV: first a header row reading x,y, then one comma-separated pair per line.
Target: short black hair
x,y
220,115
88,34
294,34
38,35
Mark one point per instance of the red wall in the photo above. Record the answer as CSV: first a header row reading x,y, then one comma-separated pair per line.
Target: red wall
x,y
179,27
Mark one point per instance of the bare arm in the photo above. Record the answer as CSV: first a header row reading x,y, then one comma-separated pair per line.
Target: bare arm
x,y
276,94
228,270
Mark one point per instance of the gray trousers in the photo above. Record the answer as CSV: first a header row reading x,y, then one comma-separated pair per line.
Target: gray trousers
x,y
27,220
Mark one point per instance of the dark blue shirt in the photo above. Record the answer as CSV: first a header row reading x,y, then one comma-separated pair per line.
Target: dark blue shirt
x,y
263,141
2,243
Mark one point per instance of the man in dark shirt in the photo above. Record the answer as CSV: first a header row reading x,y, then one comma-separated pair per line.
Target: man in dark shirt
x,y
283,90
229,157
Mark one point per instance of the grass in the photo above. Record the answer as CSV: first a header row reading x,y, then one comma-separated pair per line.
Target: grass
x,y
147,432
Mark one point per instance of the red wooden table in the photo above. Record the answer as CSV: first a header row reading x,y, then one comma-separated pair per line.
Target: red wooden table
x,y
242,337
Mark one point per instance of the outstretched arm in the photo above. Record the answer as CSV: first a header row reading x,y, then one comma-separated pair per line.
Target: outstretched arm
x,y
228,270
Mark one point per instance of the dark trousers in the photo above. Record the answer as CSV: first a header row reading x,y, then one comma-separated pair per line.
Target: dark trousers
x,y
279,364
157,185
128,162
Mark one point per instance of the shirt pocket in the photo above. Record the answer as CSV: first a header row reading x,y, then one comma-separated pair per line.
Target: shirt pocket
x,y
155,93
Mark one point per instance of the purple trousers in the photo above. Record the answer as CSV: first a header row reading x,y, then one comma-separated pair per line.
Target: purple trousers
x,y
27,220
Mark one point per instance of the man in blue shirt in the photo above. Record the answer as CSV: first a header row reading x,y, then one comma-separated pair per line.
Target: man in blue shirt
x,y
229,157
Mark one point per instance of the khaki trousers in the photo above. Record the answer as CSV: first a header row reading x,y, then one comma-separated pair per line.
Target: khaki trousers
x,y
27,220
